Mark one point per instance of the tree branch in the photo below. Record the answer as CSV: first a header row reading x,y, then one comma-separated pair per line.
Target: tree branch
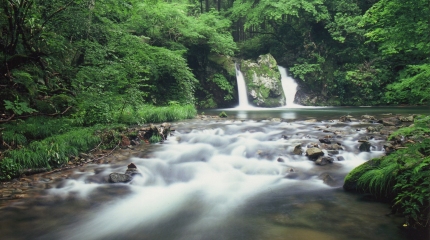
x,y
50,17
7,120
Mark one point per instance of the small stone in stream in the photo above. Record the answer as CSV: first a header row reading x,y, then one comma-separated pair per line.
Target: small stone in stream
x,y
324,161
329,180
325,140
365,147
332,152
284,137
119,178
280,160
298,150
314,153
340,158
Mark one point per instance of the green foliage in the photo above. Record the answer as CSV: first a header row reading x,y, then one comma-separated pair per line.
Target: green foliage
x,y
223,114
18,107
413,87
224,85
403,176
155,138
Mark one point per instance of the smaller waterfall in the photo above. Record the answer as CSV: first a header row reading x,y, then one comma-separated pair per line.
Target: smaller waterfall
x,y
241,87
289,86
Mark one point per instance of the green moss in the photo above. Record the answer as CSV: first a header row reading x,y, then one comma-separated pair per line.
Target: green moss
x,y
351,179
225,62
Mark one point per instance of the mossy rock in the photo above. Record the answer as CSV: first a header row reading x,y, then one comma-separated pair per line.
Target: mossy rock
x,y
351,179
225,62
263,81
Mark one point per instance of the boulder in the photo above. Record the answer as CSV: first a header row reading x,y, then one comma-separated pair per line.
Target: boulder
x,y
314,153
119,178
126,177
263,82
364,147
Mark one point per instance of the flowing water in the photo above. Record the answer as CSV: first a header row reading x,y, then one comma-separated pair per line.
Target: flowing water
x,y
241,87
212,179
289,86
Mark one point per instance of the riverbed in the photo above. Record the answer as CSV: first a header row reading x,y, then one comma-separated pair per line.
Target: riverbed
x,y
234,178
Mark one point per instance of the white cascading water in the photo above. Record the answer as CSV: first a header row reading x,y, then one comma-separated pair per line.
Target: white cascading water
x,y
241,87
207,173
289,86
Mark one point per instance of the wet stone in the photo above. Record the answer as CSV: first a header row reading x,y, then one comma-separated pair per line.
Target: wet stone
x,y
324,161
298,150
119,178
365,147
314,153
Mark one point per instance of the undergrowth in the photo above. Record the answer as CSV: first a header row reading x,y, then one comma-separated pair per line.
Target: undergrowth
x,y
43,142
403,177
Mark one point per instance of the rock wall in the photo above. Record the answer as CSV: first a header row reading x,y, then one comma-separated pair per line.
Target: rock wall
x,y
263,81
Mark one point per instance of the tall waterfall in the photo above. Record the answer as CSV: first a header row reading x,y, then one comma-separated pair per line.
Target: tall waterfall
x,y
289,86
241,86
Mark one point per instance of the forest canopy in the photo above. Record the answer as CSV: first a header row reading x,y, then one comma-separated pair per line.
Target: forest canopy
x,y
77,55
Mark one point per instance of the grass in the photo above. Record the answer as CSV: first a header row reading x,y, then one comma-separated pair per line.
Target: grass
x,y
42,142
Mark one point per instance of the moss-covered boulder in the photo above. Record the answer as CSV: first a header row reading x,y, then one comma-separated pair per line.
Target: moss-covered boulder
x,y
263,82
351,179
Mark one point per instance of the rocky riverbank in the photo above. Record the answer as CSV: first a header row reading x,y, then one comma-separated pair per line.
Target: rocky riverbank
x,y
134,143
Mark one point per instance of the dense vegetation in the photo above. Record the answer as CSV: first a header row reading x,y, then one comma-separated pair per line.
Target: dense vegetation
x,y
402,177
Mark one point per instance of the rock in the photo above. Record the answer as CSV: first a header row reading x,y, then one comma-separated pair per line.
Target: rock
x,y
132,170
263,81
324,161
335,147
374,128
312,145
365,147
126,177
325,140
314,153
368,117
119,178
275,120
340,158
313,120
332,152
328,179
345,119
407,119
388,148
280,160
350,183
298,150
391,121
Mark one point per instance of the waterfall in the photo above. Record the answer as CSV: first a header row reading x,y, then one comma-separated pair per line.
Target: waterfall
x,y
289,86
241,87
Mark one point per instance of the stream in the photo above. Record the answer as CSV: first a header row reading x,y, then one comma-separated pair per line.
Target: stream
x,y
233,178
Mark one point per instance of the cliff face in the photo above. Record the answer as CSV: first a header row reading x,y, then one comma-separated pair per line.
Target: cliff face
x,y
263,82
